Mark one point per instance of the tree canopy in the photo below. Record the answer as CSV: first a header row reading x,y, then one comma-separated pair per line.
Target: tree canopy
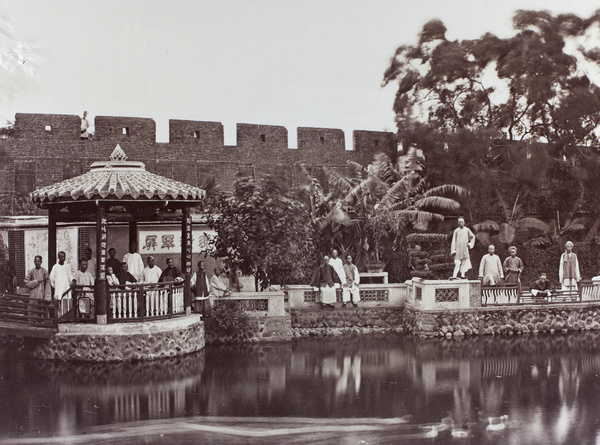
x,y
263,231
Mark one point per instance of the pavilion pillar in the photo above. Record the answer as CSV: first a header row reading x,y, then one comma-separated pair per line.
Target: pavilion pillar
x,y
132,234
101,297
186,257
52,215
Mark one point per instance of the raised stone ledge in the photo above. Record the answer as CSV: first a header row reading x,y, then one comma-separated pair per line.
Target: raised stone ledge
x,y
123,342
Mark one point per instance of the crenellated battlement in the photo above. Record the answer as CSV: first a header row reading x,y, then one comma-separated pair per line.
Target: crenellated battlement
x,y
47,148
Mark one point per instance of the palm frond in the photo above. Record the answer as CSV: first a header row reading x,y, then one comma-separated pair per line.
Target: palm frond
x,y
448,189
486,226
438,203
531,223
337,180
396,193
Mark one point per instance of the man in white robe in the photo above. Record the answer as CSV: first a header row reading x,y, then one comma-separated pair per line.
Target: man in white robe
x,y
462,240
61,276
135,264
338,265
152,272
490,268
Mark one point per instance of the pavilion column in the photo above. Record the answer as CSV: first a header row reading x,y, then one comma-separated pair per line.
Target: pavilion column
x,y
132,234
186,257
101,296
51,237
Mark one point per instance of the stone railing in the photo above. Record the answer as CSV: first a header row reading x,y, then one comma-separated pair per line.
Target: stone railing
x,y
513,294
371,295
443,294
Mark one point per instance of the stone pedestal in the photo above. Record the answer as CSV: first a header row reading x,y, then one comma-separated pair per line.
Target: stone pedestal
x,y
444,294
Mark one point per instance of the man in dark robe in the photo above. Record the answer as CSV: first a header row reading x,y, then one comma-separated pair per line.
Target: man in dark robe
x,y
171,273
323,280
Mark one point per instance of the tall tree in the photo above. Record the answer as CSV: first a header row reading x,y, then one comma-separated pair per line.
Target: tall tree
x,y
263,231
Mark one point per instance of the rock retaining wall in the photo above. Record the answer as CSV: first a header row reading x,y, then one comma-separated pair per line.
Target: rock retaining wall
x,y
126,342
261,329
505,320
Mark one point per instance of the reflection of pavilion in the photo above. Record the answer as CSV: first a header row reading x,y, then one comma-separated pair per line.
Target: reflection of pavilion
x,y
117,192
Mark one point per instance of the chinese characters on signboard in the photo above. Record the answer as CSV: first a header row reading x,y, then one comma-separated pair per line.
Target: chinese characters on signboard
x,y
157,241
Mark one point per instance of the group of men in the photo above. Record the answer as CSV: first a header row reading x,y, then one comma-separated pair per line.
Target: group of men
x,y
332,274
492,271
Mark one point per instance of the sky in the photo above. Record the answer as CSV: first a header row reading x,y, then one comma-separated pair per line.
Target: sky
x,y
296,63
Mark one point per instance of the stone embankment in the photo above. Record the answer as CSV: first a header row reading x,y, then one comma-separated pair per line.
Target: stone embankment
x,y
503,321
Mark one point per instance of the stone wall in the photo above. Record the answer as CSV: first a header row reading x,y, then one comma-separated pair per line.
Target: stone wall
x,y
309,322
48,148
261,329
122,342
524,319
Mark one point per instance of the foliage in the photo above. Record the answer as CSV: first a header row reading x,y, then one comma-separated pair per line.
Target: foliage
x,y
370,209
515,223
523,87
230,316
518,114
429,256
262,230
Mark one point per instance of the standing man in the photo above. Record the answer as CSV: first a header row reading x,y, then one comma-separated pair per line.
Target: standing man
x,y
351,282
61,278
91,262
338,266
323,280
151,273
462,240
200,286
490,269
171,273
513,267
134,262
37,280
83,277
112,261
568,271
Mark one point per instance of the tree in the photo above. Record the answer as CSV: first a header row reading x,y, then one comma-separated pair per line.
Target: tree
x,y
526,87
263,231
519,114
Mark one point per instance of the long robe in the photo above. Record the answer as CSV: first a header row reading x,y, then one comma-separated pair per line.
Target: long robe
x,y
568,271
60,279
462,240
351,282
151,274
324,279
37,282
135,265
490,269
513,267
338,266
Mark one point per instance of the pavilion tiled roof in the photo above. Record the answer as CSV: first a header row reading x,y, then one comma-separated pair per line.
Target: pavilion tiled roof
x,y
117,179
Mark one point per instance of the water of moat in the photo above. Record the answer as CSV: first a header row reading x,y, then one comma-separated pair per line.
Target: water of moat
x,y
351,390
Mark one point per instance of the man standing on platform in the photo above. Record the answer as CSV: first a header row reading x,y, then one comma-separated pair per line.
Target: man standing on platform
x,y
37,280
134,262
152,272
61,276
462,240
490,269
200,285
83,277
338,266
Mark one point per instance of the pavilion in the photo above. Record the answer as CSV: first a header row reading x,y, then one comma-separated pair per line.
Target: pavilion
x,y
119,191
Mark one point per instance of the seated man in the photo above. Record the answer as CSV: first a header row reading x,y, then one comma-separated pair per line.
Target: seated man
x,y
541,288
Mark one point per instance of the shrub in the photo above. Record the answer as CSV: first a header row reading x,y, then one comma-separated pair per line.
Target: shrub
x,y
230,316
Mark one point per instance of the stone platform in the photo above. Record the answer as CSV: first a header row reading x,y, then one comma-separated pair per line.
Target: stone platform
x,y
122,342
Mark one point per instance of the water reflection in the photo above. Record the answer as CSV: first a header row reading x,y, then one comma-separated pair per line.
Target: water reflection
x,y
491,390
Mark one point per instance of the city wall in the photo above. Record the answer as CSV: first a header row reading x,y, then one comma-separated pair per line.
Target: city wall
x,y
47,148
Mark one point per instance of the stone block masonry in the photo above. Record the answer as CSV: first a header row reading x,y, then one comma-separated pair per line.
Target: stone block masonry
x,y
47,148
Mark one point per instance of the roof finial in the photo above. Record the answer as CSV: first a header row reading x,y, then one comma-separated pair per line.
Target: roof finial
x,y
118,154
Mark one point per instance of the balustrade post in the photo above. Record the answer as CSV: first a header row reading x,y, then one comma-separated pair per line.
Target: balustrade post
x,y
142,303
